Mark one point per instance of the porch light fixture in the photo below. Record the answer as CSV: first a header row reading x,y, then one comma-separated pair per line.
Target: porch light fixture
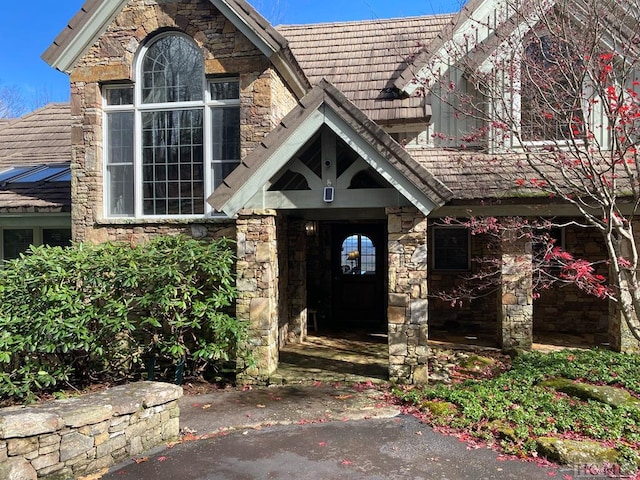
x,y
311,228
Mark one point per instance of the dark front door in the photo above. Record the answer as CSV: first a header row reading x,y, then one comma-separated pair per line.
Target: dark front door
x,y
359,271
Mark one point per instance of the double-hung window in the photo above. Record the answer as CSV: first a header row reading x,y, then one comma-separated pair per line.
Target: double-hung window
x,y
170,138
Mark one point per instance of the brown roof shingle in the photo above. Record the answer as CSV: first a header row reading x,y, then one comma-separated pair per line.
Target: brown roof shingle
x,y
42,137
364,58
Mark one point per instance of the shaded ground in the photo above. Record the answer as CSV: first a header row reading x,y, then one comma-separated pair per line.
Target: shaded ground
x,y
335,357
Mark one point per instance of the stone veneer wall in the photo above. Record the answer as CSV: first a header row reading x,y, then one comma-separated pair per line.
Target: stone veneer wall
x,y
264,98
471,318
293,320
257,284
84,435
408,304
567,309
515,295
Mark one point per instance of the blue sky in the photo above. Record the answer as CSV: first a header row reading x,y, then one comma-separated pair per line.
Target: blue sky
x,y
27,28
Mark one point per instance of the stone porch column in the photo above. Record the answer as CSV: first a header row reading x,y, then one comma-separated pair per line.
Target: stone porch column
x,y
408,308
620,337
257,283
515,293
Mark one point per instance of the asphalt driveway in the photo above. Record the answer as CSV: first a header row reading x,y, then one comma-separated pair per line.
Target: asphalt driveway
x,y
319,432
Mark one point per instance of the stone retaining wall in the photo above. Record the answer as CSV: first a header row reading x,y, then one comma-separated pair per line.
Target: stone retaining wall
x,y
83,435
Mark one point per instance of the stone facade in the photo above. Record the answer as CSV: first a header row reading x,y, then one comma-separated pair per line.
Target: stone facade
x,y
560,310
293,322
264,97
408,304
258,295
515,295
84,435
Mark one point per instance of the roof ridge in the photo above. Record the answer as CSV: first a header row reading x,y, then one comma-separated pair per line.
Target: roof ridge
x,y
368,21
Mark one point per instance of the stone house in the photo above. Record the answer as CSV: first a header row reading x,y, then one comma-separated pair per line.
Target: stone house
x,y
308,146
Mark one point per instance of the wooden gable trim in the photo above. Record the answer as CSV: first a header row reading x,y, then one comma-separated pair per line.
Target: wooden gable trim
x,y
324,105
95,16
83,30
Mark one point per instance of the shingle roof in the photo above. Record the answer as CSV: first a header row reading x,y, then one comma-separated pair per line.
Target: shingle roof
x,y
364,58
42,137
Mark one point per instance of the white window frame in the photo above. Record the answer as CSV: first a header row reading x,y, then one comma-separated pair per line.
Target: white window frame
x,y
138,108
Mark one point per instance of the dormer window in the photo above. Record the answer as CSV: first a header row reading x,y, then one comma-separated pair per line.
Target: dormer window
x,y
171,138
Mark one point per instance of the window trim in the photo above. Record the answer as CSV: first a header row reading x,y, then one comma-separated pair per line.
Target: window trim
x,y
138,107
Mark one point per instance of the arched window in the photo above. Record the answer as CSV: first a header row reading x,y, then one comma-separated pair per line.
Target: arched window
x,y
358,255
172,137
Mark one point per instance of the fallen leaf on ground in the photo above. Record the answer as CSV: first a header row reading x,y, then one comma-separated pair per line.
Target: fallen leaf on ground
x,y
261,406
343,397
206,407
322,444
141,459
346,462
162,459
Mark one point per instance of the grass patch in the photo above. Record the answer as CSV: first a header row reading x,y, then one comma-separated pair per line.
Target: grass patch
x,y
519,402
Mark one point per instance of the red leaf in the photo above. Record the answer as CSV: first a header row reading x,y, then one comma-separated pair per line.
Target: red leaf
x,y
346,462
162,459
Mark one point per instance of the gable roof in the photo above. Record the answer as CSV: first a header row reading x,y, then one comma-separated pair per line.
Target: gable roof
x,y
325,104
363,59
95,16
39,139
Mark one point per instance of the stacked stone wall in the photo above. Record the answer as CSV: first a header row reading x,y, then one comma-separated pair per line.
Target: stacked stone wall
x,y
475,318
264,97
293,281
563,309
88,434
257,284
408,305
567,309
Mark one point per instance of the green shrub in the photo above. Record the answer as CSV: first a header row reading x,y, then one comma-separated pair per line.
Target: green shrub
x,y
93,312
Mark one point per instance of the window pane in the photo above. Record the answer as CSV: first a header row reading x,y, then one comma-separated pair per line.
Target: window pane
x,y
172,71
225,90
120,137
550,100
119,95
221,170
120,190
226,133
451,248
120,174
56,237
173,162
16,242
358,256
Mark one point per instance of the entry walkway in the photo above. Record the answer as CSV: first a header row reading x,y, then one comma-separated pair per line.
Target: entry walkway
x,y
350,357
